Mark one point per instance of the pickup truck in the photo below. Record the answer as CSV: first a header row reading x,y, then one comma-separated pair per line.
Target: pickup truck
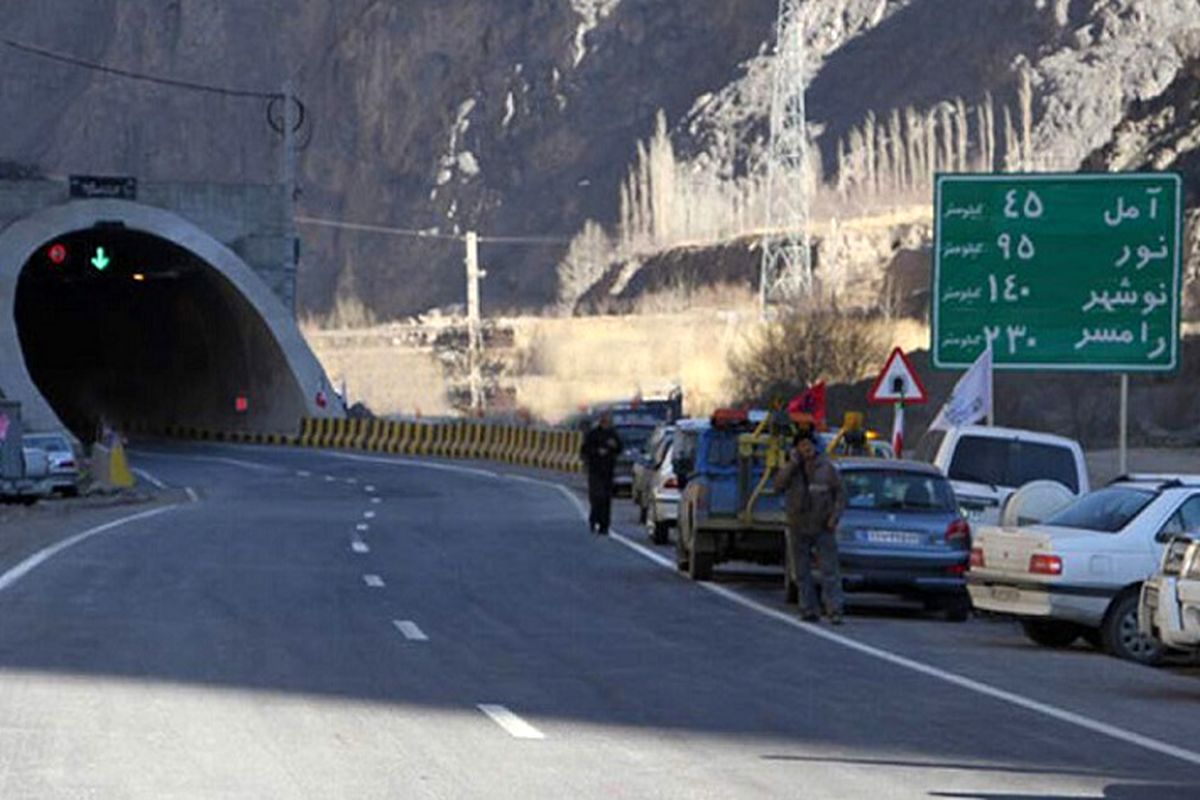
x,y
987,464
727,509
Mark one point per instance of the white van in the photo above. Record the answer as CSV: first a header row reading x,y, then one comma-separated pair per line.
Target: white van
x,y
987,464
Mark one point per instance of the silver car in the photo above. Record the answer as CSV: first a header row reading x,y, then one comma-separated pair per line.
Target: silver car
x,y
64,466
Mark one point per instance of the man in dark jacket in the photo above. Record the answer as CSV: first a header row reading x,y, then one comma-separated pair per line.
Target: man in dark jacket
x,y
815,500
600,450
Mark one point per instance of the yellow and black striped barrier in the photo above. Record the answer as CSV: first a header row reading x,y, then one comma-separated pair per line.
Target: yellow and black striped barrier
x,y
523,445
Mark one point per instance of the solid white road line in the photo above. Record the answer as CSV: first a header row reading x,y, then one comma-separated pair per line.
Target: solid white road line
x,y
407,462
410,630
374,581
368,515
234,462
359,546
144,474
510,722
9,578
191,493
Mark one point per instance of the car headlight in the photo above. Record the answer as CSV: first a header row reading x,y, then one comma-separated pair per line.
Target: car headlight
x,y
1175,555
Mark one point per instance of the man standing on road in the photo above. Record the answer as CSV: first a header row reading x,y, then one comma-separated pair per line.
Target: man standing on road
x,y
600,450
815,500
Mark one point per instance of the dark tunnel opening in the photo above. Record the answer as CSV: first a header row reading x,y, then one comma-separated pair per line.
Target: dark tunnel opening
x,y
126,328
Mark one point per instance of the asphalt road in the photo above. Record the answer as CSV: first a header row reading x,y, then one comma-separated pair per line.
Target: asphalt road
x,y
324,625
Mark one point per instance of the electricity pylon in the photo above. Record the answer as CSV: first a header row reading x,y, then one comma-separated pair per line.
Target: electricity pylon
x,y
787,270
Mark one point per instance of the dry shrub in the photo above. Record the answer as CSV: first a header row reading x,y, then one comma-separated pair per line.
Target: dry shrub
x,y
348,313
803,347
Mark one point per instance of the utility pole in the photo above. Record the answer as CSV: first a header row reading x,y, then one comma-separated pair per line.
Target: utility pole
x,y
475,343
787,271
290,123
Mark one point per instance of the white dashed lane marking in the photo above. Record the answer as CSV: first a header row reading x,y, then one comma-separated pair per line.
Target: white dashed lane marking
x,y
368,515
362,526
376,499
374,581
510,722
369,489
359,546
330,479
410,630
304,474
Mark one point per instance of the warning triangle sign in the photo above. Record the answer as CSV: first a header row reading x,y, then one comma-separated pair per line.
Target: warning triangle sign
x,y
898,382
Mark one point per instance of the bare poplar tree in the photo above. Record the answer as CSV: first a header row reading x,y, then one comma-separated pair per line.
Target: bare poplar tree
x,y
869,141
1025,99
961,132
1012,147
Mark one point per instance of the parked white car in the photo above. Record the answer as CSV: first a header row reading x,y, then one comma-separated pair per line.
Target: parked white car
x,y
63,467
662,510
986,464
1080,573
1170,602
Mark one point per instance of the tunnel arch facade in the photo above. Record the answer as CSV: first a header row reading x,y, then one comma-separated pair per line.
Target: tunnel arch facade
x,y
295,390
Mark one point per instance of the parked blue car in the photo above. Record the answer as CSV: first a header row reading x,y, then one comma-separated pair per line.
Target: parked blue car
x,y
902,533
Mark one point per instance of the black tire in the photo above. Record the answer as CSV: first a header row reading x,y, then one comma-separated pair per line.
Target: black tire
x,y
681,556
1051,632
700,566
957,608
642,514
660,532
1120,636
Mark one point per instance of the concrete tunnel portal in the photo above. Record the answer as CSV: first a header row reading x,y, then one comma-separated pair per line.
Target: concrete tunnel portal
x,y
128,315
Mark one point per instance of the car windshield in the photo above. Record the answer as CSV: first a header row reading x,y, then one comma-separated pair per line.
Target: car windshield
x,y
1012,462
634,437
1108,510
51,444
897,490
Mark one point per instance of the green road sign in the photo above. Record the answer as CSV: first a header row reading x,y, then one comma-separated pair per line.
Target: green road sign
x,y
1058,271
100,261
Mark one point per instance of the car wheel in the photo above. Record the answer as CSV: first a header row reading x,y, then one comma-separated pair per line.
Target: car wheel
x,y
700,566
957,608
681,555
660,532
1050,632
1120,635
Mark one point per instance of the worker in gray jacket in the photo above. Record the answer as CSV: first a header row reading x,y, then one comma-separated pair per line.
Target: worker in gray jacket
x,y
815,500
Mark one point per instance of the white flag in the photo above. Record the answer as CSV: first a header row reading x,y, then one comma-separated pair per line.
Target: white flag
x,y
971,399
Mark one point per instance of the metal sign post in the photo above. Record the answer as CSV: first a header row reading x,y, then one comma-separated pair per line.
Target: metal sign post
x,y
1123,427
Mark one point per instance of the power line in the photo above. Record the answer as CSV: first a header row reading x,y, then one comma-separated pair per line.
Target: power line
x,y
64,58
411,233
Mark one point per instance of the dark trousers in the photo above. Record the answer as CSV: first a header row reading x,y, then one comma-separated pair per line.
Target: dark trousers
x,y
600,493
802,546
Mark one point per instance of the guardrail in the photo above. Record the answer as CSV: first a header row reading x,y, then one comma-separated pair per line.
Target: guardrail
x,y
523,445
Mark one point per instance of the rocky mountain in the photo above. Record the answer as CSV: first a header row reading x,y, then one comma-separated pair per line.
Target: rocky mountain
x,y
519,118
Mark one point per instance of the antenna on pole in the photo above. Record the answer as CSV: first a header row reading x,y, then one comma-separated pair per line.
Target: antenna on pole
x,y
787,270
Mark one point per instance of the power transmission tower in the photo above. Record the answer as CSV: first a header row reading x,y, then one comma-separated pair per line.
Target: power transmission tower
x,y
787,270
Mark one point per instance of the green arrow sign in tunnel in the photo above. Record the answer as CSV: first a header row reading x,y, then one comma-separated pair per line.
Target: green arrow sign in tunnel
x,y
122,326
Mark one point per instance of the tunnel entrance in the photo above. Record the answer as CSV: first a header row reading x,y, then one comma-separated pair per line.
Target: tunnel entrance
x,y
122,326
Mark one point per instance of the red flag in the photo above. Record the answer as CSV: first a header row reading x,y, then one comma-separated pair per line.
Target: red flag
x,y
812,402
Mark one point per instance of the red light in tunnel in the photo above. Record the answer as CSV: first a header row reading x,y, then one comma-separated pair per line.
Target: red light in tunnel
x,y
242,404
57,253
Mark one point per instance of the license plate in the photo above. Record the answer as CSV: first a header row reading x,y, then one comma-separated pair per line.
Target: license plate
x,y
894,537
1006,594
